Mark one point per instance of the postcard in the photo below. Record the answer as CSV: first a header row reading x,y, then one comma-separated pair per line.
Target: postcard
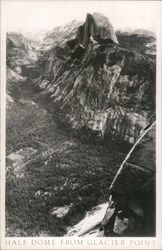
x,y
81,124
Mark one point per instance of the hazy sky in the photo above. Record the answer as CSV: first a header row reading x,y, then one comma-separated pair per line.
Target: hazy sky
x,y
31,15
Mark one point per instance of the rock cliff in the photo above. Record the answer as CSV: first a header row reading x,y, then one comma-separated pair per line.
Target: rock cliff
x,y
96,28
100,87
21,57
133,188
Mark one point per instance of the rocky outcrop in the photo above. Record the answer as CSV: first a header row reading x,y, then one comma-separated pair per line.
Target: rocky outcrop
x,y
99,86
96,28
14,76
16,161
132,192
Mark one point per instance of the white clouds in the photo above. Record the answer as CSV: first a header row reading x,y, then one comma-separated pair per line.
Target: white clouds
x,y
30,15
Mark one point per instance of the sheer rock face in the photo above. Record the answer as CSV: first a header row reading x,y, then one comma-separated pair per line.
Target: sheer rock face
x,y
96,27
100,86
134,187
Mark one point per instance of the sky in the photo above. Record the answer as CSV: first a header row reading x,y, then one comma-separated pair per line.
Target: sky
x,y
37,15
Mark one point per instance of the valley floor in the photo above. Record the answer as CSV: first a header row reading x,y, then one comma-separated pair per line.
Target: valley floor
x,y
52,178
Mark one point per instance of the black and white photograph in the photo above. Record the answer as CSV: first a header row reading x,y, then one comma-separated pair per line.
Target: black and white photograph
x,y
80,140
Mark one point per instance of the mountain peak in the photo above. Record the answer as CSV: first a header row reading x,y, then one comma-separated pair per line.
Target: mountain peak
x,y
98,27
100,17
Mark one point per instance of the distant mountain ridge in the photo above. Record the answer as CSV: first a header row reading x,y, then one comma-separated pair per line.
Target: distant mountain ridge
x,y
21,55
60,35
130,31
141,40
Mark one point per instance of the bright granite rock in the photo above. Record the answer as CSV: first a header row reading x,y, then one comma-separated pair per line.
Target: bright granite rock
x,y
96,28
